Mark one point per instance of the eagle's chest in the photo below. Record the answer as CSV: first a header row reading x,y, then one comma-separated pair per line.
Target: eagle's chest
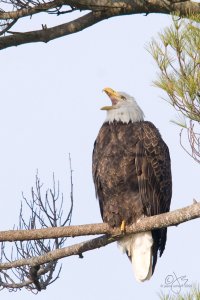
x,y
120,144
118,159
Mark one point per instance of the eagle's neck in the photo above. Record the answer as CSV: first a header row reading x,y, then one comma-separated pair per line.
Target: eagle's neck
x,y
125,114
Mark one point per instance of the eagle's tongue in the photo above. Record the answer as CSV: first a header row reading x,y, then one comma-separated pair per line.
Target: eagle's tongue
x,y
113,100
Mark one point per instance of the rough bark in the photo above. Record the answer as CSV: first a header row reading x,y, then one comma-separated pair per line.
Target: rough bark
x,y
99,10
111,235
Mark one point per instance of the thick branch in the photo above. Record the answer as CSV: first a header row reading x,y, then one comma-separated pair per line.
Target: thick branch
x,y
76,249
100,10
126,7
29,11
159,221
164,220
47,34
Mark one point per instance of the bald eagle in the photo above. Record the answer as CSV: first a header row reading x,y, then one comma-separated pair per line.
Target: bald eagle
x,y
132,177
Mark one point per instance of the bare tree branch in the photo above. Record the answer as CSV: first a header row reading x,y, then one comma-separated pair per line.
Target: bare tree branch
x,y
149,223
99,10
126,7
46,209
13,286
47,34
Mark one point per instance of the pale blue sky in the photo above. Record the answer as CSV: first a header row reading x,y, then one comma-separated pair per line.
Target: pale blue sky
x,y
51,96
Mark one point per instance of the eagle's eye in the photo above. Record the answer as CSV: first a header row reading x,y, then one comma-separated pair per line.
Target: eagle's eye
x,y
123,97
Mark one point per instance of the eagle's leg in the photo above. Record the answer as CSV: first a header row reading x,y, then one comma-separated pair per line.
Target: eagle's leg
x,y
123,226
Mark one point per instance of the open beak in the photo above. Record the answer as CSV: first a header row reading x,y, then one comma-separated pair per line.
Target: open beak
x,y
114,97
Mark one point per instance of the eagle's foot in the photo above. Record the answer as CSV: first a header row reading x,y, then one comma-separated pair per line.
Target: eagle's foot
x,y
123,227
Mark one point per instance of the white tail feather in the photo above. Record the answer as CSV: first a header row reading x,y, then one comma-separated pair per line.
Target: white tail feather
x,y
139,249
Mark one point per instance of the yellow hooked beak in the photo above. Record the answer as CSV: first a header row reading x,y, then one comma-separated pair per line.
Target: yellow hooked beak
x,y
114,97
107,108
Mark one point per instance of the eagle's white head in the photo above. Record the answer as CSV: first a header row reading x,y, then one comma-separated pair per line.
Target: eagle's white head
x,y
124,108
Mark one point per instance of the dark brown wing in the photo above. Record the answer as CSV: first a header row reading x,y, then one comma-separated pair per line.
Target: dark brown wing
x,y
154,179
100,145
154,171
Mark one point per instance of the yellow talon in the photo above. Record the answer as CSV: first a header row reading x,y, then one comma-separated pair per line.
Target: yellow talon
x,y
123,226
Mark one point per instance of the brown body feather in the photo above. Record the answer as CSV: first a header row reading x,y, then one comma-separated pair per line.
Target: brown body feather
x,y
132,175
